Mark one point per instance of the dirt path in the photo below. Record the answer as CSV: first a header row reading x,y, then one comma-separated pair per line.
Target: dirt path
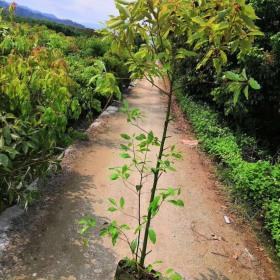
x,y
195,240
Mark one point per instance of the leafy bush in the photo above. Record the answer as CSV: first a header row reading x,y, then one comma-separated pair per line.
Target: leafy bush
x,y
256,112
257,183
44,87
272,218
93,47
26,153
117,66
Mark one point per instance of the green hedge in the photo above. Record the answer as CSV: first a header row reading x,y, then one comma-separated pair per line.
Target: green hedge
x,y
257,183
44,90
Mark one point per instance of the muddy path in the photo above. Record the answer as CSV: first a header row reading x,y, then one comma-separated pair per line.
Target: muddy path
x,y
194,240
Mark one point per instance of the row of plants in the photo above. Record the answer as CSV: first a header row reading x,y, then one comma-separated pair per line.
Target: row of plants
x,y
45,88
255,182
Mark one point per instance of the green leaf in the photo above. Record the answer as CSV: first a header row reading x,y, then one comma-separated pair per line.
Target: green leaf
x,y
82,222
246,92
124,147
175,277
104,232
112,209
125,155
170,270
121,203
152,236
123,2
182,53
15,136
178,202
126,227
167,163
244,75
31,145
123,10
149,268
236,95
256,33
250,12
223,14
115,236
114,176
254,84
177,155
84,230
4,160
125,136
115,24
140,137
223,56
6,133
138,229
150,137
133,245
154,204
232,76
113,201
100,64
247,20
124,169
171,168
198,20
2,142
90,221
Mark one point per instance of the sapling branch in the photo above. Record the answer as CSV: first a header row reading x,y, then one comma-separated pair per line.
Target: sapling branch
x,y
139,202
156,174
128,215
125,183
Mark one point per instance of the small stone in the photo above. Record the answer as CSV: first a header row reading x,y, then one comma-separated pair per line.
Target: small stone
x,y
34,274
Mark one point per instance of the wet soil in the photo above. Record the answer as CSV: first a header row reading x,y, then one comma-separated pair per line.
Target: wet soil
x,y
194,240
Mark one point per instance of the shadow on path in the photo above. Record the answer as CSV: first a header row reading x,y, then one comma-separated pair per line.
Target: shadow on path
x,y
46,241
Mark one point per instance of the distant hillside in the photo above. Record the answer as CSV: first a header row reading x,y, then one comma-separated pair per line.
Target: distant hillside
x,y
22,11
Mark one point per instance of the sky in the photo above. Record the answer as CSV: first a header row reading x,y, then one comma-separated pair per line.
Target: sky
x,y
81,11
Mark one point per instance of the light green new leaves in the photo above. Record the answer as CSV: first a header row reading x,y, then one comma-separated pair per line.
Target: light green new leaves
x,y
152,236
115,205
239,82
133,245
121,203
105,83
232,76
254,84
4,160
183,53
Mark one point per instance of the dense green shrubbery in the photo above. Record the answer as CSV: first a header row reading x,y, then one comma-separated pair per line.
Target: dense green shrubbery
x,y
257,113
257,182
254,174
26,153
44,88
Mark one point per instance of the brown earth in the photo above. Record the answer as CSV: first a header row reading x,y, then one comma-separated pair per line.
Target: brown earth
x,y
194,240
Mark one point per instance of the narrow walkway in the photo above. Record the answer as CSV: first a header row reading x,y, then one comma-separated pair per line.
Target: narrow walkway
x,y
194,240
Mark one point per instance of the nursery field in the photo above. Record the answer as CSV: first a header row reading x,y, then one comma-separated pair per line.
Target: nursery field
x,y
160,132
199,241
